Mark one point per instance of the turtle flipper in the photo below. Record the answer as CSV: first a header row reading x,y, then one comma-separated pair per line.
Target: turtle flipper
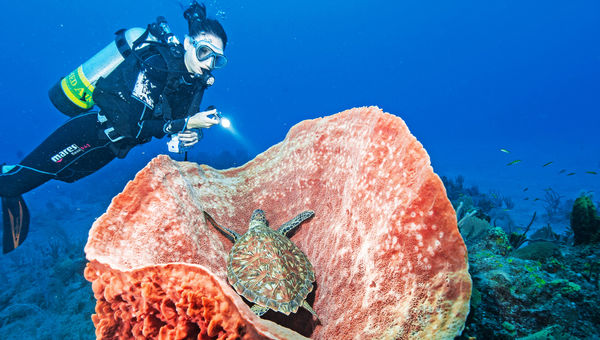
x,y
259,310
230,234
306,306
294,222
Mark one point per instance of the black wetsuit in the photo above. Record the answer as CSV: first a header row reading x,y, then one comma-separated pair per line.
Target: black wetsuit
x,y
148,95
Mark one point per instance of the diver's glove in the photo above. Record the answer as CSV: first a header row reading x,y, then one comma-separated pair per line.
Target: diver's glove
x,y
203,119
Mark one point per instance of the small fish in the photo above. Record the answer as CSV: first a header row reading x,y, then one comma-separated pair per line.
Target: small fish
x,y
591,172
570,174
526,198
504,150
547,164
514,162
562,171
536,199
525,189
506,209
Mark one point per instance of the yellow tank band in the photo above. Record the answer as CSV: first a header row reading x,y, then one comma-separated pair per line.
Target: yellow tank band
x,y
78,89
84,79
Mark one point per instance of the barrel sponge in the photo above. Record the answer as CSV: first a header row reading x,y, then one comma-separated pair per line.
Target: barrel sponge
x,y
172,301
585,221
387,255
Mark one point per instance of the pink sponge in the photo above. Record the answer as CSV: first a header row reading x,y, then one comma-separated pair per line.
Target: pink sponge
x,y
388,258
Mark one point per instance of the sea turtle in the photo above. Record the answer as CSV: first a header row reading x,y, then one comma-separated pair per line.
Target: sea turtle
x,y
266,267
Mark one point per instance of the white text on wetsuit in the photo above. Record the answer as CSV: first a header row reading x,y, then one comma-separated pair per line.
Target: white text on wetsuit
x,y
72,150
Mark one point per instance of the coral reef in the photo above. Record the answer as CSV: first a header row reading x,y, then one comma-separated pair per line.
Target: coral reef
x,y
480,237
388,257
518,239
552,205
538,251
544,290
492,206
44,287
529,285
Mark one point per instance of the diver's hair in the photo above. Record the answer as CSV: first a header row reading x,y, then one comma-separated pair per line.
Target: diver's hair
x,y
198,22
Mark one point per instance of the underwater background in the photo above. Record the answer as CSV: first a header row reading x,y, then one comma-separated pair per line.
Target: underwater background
x,y
469,78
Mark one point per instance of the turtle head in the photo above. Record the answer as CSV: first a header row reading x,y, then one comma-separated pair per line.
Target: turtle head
x,y
258,218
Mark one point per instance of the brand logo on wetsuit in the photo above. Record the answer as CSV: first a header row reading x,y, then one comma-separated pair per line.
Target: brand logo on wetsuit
x,y
72,150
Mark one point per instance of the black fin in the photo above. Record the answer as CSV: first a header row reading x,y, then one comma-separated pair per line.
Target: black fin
x,y
15,217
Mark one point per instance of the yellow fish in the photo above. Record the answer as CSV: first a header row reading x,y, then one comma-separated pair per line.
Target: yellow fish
x,y
514,162
504,150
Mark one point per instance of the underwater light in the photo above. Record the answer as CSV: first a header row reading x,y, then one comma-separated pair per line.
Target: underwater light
x,y
226,123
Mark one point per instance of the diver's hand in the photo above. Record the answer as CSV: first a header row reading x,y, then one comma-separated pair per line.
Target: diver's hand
x,y
188,137
202,120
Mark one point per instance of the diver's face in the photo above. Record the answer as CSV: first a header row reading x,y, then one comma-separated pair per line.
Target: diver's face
x,y
192,63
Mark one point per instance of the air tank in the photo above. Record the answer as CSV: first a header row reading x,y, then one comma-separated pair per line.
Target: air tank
x,y
72,94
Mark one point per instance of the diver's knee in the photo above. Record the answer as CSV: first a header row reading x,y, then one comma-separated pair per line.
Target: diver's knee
x,y
7,191
7,184
14,182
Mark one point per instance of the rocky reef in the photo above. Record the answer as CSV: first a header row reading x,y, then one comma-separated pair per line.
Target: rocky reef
x,y
43,294
388,257
532,286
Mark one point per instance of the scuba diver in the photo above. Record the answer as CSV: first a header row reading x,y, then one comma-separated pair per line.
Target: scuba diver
x,y
145,83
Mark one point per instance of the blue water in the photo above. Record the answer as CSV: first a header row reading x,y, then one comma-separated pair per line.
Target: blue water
x,y
468,77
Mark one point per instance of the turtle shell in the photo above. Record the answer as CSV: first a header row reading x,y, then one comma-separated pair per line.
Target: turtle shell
x,y
268,269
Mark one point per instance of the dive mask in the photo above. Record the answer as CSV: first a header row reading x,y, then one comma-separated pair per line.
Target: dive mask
x,y
206,50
